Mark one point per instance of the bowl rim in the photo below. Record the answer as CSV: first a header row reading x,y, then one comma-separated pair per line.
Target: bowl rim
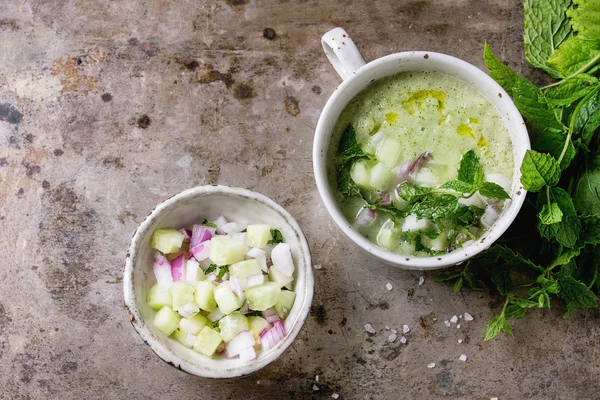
x,y
327,195
156,345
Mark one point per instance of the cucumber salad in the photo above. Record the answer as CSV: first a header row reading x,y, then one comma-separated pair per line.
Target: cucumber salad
x,y
222,287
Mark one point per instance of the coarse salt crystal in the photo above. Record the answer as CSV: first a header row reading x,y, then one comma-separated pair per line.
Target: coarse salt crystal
x,y
316,378
458,326
460,316
454,319
387,328
402,340
462,358
421,281
389,286
392,338
405,328
435,319
493,398
431,365
317,266
447,323
394,331
335,396
468,317
315,388
369,328
459,341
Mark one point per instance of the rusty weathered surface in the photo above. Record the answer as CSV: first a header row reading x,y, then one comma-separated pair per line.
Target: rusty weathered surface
x,y
109,107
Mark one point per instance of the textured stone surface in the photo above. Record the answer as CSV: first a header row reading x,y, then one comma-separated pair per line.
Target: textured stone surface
x,y
109,107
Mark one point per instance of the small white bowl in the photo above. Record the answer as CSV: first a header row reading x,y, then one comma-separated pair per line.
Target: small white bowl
x,y
357,75
183,210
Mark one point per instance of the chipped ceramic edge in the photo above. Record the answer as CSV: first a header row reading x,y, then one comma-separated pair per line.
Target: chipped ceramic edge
x,y
155,343
446,64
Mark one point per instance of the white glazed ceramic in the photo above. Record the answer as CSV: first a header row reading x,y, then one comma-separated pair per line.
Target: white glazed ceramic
x,y
356,75
183,210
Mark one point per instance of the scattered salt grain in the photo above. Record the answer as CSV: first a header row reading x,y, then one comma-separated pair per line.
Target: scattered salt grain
x,y
387,328
462,358
493,398
459,341
392,338
402,340
394,331
458,326
369,328
435,319
336,396
318,266
454,319
447,323
421,281
468,317
316,378
405,328
389,286
431,365
460,316
315,388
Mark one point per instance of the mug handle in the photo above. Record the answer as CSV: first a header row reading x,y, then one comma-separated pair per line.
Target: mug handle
x,y
342,52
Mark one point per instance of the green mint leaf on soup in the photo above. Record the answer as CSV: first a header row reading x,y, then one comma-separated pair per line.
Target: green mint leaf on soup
x,y
498,70
574,56
467,215
575,294
412,193
585,20
442,206
208,223
539,170
546,27
533,105
222,272
590,231
348,148
470,170
254,314
586,118
492,190
345,184
276,237
586,196
571,90
553,142
550,214
211,268
459,186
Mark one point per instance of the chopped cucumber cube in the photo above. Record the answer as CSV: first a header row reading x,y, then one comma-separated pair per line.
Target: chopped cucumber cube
x,y
207,341
361,174
181,337
158,298
258,235
275,275
205,296
381,175
166,320
437,244
282,258
167,240
388,235
227,301
263,296
257,325
193,325
284,304
182,293
232,324
389,151
245,269
225,250
411,223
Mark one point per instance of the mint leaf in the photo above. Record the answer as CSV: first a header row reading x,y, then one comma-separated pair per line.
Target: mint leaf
x,y
492,190
495,326
515,311
458,284
587,193
564,257
552,142
573,56
510,257
570,90
468,215
498,70
412,193
442,206
348,148
470,170
585,19
586,118
447,277
276,237
533,105
550,214
539,170
575,294
208,223
566,232
590,229
345,184
459,186
210,269
545,28
500,276
222,272
254,314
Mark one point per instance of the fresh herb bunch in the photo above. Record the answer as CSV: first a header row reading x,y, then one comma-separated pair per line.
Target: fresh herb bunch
x,y
555,253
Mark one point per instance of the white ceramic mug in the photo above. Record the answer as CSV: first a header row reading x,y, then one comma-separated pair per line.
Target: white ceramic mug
x,y
357,75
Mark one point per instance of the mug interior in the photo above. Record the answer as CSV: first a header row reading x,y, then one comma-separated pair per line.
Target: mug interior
x,y
325,146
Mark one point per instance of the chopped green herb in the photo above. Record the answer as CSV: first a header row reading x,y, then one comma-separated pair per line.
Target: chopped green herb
x,y
276,237
208,223
222,271
254,314
211,268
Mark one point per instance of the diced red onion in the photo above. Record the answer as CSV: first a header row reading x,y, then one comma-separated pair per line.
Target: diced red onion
x,y
365,217
272,318
268,312
188,310
220,221
187,234
282,257
190,339
410,168
260,256
178,268
272,336
255,280
162,271
211,277
230,227
247,354
201,251
268,249
241,341
191,270
201,233
386,199
235,286
244,309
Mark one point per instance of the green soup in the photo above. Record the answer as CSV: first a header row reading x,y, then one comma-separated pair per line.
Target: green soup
x,y
424,163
